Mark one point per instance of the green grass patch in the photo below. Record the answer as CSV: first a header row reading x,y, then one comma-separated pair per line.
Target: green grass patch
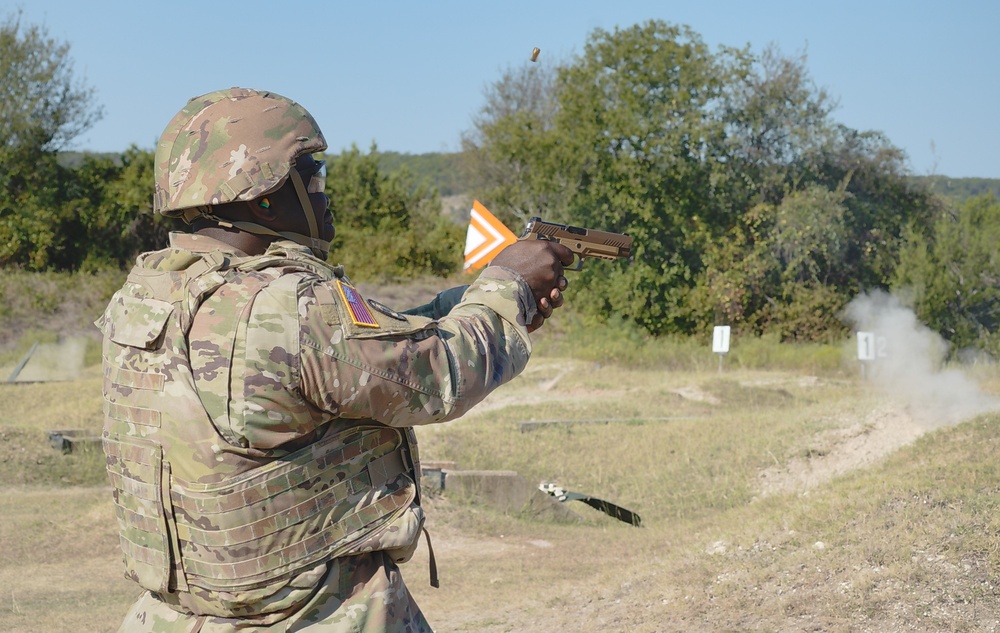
x,y
621,342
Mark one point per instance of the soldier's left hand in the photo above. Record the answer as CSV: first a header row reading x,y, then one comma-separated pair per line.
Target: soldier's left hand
x,y
548,305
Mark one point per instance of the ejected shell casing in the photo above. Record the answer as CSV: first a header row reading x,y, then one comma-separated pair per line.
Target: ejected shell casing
x,y
534,54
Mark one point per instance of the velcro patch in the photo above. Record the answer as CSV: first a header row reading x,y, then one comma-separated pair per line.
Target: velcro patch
x,y
356,305
386,310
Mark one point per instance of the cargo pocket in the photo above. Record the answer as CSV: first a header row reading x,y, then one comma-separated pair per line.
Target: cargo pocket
x,y
135,468
135,321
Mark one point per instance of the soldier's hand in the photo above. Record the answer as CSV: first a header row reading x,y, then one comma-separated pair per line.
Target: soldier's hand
x,y
547,305
541,265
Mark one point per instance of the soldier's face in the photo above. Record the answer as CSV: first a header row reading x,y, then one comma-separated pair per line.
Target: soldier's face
x,y
285,201
313,174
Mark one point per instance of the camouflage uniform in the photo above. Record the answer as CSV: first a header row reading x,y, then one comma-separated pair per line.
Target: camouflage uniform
x,y
258,432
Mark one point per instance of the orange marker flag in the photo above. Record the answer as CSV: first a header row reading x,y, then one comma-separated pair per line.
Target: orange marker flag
x,y
486,237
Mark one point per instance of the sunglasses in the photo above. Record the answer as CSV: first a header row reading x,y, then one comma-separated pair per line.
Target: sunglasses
x,y
314,176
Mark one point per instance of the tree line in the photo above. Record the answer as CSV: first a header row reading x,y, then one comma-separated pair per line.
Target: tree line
x,y
749,204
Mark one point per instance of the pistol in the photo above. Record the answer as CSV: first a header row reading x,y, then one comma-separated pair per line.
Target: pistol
x,y
583,242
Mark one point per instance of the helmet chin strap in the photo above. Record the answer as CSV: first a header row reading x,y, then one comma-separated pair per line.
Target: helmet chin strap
x,y
319,247
303,195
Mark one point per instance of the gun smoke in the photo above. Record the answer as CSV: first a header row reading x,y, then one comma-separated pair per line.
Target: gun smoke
x,y
910,364
50,362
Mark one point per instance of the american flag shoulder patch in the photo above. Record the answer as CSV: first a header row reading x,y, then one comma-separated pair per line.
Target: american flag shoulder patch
x,y
357,306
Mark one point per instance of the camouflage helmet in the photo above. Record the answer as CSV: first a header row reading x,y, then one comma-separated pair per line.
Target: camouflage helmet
x,y
227,146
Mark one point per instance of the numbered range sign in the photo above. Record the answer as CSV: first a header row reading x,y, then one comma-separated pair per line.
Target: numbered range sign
x,y
720,339
866,346
870,346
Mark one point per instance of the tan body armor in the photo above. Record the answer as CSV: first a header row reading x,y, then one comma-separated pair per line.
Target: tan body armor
x,y
206,522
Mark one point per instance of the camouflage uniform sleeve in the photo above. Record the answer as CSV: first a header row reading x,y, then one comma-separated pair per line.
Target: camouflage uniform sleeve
x,y
407,370
441,304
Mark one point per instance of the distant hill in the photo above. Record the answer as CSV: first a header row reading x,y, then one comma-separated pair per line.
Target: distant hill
x,y
960,189
440,170
443,171
75,159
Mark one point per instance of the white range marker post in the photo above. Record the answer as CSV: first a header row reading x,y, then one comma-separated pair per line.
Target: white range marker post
x,y
720,342
866,350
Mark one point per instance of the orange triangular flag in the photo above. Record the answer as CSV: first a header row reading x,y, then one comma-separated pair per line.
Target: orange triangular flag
x,y
486,237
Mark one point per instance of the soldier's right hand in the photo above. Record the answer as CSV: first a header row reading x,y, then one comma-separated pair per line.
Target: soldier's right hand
x,y
541,265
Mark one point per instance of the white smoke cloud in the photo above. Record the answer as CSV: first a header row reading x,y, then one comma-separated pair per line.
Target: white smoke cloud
x,y
52,362
909,366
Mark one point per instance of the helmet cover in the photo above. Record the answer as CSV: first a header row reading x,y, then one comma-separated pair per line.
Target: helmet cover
x,y
227,146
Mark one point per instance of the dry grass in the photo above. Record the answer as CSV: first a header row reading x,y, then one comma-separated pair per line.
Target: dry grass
x,y
61,568
877,525
891,535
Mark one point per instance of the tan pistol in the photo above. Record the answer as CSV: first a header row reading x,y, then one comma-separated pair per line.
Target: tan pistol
x,y
583,242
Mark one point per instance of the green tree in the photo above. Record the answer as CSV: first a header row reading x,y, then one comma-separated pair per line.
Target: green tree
x,y
772,272
617,139
746,201
386,226
809,236
433,169
31,218
951,274
830,203
508,156
111,202
638,103
775,119
42,109
42,106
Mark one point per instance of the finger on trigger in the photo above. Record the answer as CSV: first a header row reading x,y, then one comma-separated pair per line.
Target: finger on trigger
x,y
563,253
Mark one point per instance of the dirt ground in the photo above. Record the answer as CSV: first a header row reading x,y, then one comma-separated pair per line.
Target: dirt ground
x,y
856,444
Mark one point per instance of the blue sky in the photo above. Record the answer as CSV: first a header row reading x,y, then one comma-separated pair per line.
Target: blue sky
x,y
410,75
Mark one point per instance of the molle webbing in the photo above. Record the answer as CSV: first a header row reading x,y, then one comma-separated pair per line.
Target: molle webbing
x,y
135,471
293,512
270,518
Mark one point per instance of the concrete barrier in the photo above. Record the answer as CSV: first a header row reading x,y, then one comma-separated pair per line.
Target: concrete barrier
x,y
508,492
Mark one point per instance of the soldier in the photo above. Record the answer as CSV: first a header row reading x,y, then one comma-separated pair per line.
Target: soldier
x,y
259,412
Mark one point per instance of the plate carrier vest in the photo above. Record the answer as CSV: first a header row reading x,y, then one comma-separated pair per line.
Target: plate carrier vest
x,y
194,514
